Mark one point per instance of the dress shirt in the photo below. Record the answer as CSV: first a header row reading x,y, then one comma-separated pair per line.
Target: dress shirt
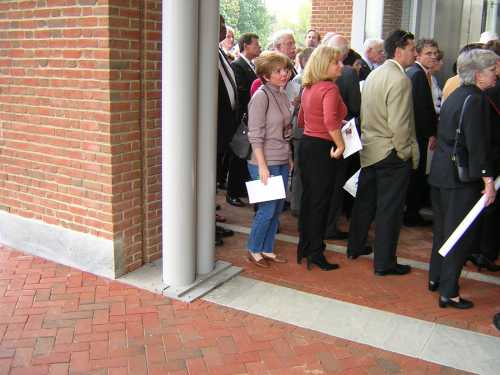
x,y
228,78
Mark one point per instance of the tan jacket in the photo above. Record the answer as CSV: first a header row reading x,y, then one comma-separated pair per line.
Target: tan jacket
x,y
387,120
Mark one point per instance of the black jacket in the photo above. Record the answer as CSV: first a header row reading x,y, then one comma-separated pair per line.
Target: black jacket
x,y
226,118
244,78
476,137
423,104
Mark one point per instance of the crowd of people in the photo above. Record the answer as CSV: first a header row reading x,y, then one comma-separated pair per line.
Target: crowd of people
x,y
297,101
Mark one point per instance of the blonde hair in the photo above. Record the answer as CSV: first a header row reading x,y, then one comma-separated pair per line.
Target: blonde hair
x,y
317,66
270,61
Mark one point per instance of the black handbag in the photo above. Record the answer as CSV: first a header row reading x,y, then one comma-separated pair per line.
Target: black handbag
x,y
239,143
460,156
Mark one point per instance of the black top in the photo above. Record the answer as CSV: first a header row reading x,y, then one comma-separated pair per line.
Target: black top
x,y
244,77
476,137
494,97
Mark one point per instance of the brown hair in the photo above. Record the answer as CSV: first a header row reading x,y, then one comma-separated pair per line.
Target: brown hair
x,y
269,62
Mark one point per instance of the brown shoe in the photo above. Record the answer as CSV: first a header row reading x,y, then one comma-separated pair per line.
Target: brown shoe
x,y
259,263
276,259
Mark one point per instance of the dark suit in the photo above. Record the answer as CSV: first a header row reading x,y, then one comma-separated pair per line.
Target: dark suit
x,y
348,84
245,76
365,70
351,57
425,127
451,198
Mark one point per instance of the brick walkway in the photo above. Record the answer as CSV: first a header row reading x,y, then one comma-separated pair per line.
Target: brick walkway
x,y
58,320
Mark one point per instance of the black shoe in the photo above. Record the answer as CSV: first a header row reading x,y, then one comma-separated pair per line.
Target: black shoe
x,y
366,251
399,269
218,241
321,262
483,262
433,286
461,304
338,235
223,232
496,321
416,221
217,207
235,201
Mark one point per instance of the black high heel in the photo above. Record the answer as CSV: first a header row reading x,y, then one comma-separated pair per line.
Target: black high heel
x,y
321,262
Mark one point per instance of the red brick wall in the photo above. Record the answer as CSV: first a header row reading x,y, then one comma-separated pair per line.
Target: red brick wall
x,y
393,11
80,119
332,15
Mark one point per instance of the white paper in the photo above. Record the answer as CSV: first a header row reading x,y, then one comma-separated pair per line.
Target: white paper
x,y
351,138
351,185
258,192
430,155
466,222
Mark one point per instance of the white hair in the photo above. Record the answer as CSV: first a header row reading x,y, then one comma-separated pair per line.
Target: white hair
x,y
278,36
338,41
473,61
488,36
372,42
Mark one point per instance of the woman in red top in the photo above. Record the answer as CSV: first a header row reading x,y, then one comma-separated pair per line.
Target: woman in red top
x,y
321,114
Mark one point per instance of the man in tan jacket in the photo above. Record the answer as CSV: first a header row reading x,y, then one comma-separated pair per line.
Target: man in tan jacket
x,y
389,152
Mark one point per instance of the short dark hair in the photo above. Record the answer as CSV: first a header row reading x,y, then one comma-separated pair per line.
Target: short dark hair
x,y
397,39
422,43
246,38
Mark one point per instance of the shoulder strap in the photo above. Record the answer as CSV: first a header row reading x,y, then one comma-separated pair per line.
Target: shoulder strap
x,y
459,128
263,87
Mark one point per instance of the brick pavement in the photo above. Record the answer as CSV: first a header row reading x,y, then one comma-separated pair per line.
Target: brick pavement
x,y
57,320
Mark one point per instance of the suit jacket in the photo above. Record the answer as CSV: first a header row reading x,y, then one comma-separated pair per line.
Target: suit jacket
x,y
476,137
351,57
348,84
423,104
387,121
244,78
226,118
364,71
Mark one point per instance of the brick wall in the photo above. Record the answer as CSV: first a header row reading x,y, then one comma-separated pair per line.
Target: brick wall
x,y
332,15
393,12
80,119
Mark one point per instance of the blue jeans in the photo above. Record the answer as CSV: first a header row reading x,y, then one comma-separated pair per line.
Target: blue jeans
x,y
266,220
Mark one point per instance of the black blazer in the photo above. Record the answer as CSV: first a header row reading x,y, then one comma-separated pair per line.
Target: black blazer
x,y
494,96
348,84
423,104
476,137
244,77
365,70
226,117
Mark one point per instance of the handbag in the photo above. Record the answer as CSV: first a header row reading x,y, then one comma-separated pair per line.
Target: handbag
x,y
460,156
239,143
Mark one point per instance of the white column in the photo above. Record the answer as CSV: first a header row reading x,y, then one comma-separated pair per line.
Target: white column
x,y
179,118
207,132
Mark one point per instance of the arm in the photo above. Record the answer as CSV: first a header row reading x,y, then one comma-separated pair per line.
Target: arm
x,y
400,120
257,131
333,113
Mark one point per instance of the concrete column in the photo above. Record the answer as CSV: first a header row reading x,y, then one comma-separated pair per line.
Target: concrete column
x,y
179,119
207,132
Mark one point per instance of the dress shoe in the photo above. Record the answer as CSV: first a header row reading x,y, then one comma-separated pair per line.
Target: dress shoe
x,y
399,269
461,304
217,207
433,286
277,258
223,232
480,261
338,235
416,221
321,262
218,241
496,321
262,263
235,201
366,251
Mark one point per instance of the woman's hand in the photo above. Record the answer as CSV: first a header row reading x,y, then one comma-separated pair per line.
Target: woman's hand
x,y
489,192
336,153
263,173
